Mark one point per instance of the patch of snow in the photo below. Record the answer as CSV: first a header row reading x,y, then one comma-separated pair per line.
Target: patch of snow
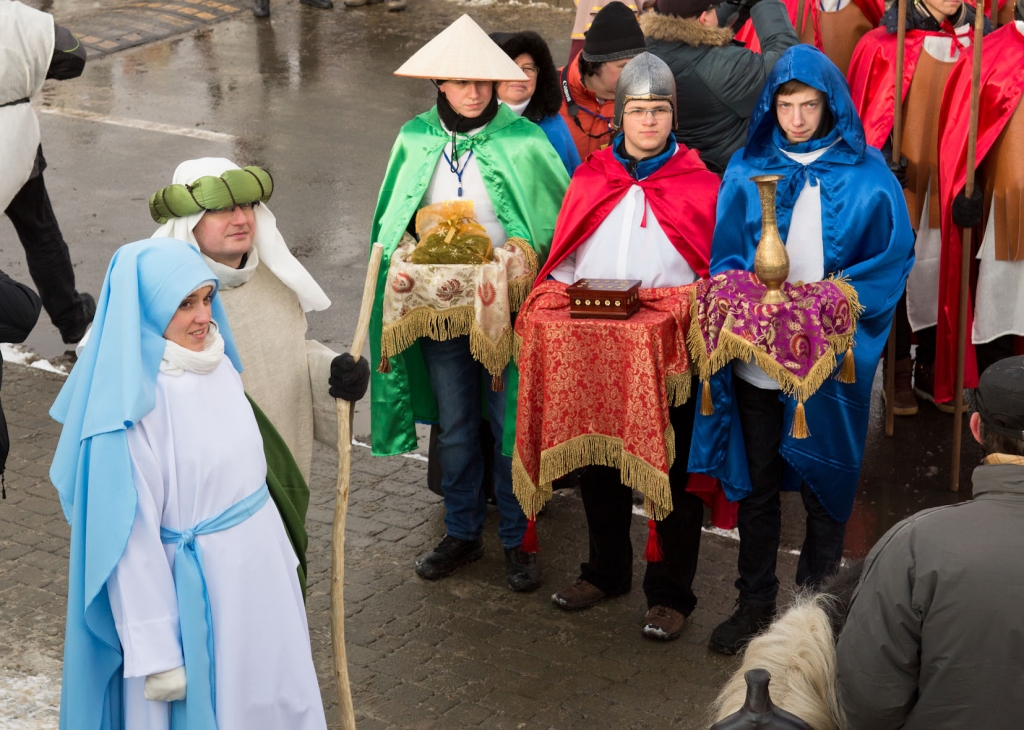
x,y
29,702
20,355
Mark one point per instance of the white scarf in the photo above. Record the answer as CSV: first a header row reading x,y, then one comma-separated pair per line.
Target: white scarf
x,y
268,242
178,360
233,278
518,108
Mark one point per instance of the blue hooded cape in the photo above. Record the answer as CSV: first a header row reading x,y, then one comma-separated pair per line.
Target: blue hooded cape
x,y
866,238
111,387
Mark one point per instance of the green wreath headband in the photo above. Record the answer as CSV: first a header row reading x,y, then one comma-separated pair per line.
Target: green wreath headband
x,y
234,187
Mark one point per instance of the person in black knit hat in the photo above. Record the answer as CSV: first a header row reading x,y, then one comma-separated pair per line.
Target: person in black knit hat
x,y
588,81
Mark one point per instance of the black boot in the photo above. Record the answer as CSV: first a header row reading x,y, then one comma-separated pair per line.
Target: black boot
x,y
261,8
746,622
449,555
522,570
322,4
76,332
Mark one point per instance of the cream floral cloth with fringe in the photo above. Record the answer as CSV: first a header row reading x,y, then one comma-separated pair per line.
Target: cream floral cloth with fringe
x,y
442,301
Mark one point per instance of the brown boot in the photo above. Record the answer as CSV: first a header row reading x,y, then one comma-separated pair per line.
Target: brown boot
x,y
663,623
581,594
903,401
924,385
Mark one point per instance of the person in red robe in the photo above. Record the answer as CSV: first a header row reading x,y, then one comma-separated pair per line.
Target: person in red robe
x,y
642,208
995,314
937,33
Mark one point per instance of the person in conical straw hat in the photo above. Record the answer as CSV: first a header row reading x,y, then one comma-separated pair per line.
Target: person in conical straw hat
x,y
467,148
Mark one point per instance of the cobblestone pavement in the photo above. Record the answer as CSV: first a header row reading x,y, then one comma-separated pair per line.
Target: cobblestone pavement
x,y
117,25
462,652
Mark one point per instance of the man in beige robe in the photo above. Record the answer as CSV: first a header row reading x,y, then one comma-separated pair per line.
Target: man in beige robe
x,y
266,293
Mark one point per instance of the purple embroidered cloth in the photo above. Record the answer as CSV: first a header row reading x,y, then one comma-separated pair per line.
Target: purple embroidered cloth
x,y
795,343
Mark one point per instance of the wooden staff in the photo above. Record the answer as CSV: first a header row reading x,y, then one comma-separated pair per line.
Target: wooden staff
x,y
897,154
800,19
965,253
344,408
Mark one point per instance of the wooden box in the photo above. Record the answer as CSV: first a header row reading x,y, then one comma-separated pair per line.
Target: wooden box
x,y
604,298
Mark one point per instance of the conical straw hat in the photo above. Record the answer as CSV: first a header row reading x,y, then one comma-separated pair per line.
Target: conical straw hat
x,y
462,51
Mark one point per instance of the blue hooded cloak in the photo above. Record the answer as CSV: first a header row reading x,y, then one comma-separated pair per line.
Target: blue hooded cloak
x,y
111,387
867,239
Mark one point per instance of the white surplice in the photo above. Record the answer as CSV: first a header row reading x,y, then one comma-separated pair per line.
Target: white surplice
x,y
198,452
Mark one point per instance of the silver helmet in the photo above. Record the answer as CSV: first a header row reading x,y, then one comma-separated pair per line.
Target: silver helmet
x,y
645,78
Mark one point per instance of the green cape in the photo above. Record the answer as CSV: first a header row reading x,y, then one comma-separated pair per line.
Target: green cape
x,y
287,488
525,180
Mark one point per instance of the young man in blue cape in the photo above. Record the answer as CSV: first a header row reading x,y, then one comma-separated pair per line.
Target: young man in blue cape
x,y
841,212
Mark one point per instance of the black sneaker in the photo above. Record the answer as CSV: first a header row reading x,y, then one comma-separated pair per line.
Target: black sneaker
x,y
75,333
746,622
449,555
522,570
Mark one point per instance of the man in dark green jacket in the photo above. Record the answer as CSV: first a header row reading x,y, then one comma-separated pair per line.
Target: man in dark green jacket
x,y
717,80
934,635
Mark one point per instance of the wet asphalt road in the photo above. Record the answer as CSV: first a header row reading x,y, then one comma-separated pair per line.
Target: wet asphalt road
x,y
310,95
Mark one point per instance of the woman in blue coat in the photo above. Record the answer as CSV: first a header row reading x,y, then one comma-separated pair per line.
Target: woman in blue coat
x,y
538,98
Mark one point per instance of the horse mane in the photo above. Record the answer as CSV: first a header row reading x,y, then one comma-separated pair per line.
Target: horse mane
x,y
799,650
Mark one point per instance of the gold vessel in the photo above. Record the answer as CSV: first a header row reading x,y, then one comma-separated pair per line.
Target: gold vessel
x,y
771,261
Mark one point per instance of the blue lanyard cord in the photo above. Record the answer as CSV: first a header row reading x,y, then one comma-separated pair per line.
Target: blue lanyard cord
x,y
454,168
602,117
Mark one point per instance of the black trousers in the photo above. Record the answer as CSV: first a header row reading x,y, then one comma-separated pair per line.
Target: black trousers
x,y
760,513
925,337
47,255
609,508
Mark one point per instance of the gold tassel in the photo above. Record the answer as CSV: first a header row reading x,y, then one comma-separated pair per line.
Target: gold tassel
x,y
848,370
497,384
385,365
707,406
799,423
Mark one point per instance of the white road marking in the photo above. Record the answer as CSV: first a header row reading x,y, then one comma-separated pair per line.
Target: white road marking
x,y
139,124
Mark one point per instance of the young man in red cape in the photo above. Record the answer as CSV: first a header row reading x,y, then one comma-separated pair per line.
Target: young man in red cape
x,y
995,307
642,208
937,33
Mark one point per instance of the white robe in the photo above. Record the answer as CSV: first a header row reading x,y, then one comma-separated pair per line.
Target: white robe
x,y
198,452
26,47
626,246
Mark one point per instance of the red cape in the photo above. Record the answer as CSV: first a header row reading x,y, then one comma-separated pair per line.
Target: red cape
x,y
682,195
1002,86
872,75
872,9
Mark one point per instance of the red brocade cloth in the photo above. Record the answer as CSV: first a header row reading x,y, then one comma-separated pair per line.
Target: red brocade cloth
x,y
795,343
597,392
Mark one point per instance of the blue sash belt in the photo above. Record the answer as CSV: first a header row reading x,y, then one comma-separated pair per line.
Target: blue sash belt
x,y
197,710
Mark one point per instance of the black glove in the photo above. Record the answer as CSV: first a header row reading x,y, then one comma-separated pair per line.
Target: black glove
x,y
967,211
899,169
349,377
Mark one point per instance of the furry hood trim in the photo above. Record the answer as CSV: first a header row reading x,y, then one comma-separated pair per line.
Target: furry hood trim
x,y
682,30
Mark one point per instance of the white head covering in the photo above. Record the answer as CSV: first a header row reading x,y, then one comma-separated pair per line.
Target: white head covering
x,y
270,247
26,47
462,51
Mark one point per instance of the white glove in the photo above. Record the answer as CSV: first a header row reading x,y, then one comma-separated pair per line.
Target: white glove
x,y
166,686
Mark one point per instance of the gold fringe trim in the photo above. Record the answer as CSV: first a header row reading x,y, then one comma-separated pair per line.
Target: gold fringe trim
x,y
517,346
848,370
520,287
443,325
679,388
596,450
707,404
799,430
732,347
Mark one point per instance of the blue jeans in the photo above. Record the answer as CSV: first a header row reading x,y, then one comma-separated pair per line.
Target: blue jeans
x,y
458,383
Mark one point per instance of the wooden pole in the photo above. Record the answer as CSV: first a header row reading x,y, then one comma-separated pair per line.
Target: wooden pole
x,y
344,407
800,7
965,254
897,154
